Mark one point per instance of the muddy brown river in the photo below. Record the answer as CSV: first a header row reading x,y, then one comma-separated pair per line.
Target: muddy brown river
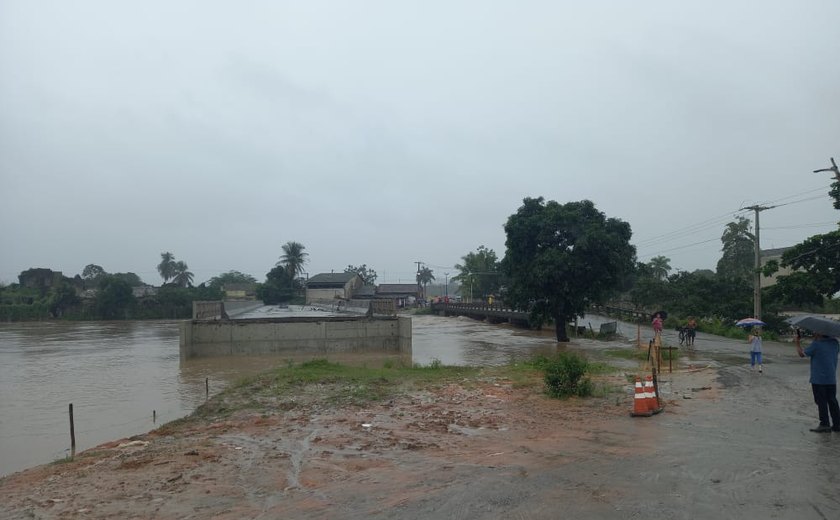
x,y
125,377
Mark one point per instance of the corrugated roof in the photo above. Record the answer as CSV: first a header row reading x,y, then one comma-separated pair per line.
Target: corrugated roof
x,y
397,288
774,252
331,279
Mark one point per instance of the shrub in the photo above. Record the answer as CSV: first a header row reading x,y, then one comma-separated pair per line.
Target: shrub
x,y
565,376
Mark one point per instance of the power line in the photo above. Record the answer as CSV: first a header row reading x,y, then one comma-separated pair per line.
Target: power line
x,y
722,218
682,247
800,226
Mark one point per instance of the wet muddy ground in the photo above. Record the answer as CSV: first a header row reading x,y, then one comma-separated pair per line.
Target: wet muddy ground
x,y
731,443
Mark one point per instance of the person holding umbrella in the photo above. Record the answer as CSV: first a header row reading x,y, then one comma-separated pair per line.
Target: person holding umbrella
x,y
754,339
823,352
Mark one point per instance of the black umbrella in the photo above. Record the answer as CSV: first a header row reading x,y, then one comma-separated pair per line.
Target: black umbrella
x,y
816,324
661,314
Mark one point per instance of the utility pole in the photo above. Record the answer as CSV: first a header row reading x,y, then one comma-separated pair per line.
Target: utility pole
x,y
757,276
419,290
446,288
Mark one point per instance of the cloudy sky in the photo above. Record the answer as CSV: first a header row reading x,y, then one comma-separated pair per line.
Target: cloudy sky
x,y
390,132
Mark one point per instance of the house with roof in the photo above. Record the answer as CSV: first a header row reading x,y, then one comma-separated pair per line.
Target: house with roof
x,y
240,291
365,292
773,254
332,286
401,293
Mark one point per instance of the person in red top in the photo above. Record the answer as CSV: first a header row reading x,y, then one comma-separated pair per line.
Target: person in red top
x,y
657,324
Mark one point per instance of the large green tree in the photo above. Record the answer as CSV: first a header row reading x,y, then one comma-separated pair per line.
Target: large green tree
x,y
562,257
293,258
367,274
130,278
480,273
92,272
230,277
113,298
738,259
818,256
648,290
279,286
62,297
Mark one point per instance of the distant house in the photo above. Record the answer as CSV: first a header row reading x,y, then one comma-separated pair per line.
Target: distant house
x,y
40,278
144,290
365,292
773,254
402,293
332,286
240,291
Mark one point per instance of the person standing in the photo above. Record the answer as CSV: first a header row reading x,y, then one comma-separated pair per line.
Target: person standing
x,y
754,339
657,324
692,331
823,352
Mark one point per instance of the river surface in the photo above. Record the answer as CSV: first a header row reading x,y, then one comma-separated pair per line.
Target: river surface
x,y
125,378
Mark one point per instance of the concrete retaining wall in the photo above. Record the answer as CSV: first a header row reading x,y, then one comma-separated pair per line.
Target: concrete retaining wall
x,y
295,336
234,308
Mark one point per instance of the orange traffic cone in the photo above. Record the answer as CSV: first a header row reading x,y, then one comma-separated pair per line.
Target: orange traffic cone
x,y
651,397
640,401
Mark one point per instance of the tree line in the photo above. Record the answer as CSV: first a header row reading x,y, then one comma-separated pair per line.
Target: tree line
x,y
562,258
559,260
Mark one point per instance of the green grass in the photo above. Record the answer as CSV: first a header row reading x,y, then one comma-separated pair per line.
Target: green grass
x,y
64,460
323,384
329,384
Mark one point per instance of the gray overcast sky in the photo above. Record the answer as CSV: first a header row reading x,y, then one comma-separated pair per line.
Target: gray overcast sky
x,y
389,132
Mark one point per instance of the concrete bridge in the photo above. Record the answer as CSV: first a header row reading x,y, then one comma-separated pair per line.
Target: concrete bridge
x,y
483,311
501,314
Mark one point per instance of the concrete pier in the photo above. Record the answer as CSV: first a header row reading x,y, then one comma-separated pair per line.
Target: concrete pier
x,y
295,336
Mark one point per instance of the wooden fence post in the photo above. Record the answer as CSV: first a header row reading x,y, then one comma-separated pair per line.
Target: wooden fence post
x,y
72,435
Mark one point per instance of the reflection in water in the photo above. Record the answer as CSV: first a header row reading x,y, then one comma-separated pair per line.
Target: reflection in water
x,y
117,373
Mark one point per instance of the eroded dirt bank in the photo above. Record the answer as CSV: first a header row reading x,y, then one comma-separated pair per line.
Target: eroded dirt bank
x,y
482,449
730,444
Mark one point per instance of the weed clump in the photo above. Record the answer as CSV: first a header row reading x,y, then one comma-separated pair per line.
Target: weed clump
x,y
565,376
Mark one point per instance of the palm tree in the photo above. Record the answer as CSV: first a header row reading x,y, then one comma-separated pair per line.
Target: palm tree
x,y
183,277
293,258
660,267
166,267
424,277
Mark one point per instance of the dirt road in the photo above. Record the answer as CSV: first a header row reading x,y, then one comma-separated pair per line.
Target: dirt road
x,y
730,444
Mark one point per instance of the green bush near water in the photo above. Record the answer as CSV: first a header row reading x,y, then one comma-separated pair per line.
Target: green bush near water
x,y
566,375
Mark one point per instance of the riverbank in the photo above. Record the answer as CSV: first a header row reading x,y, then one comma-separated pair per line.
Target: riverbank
x,y
434,440
477,443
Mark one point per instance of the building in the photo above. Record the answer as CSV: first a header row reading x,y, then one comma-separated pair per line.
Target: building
x,y
240,291
142,291
401,293
328,287
773,254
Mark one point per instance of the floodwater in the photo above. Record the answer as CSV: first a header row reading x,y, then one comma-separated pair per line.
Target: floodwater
x,y
125,378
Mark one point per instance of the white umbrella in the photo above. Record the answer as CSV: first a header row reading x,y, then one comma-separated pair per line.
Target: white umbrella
x,y
817,324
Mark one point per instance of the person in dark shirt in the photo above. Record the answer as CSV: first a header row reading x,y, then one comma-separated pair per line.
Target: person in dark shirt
x,y
823,352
